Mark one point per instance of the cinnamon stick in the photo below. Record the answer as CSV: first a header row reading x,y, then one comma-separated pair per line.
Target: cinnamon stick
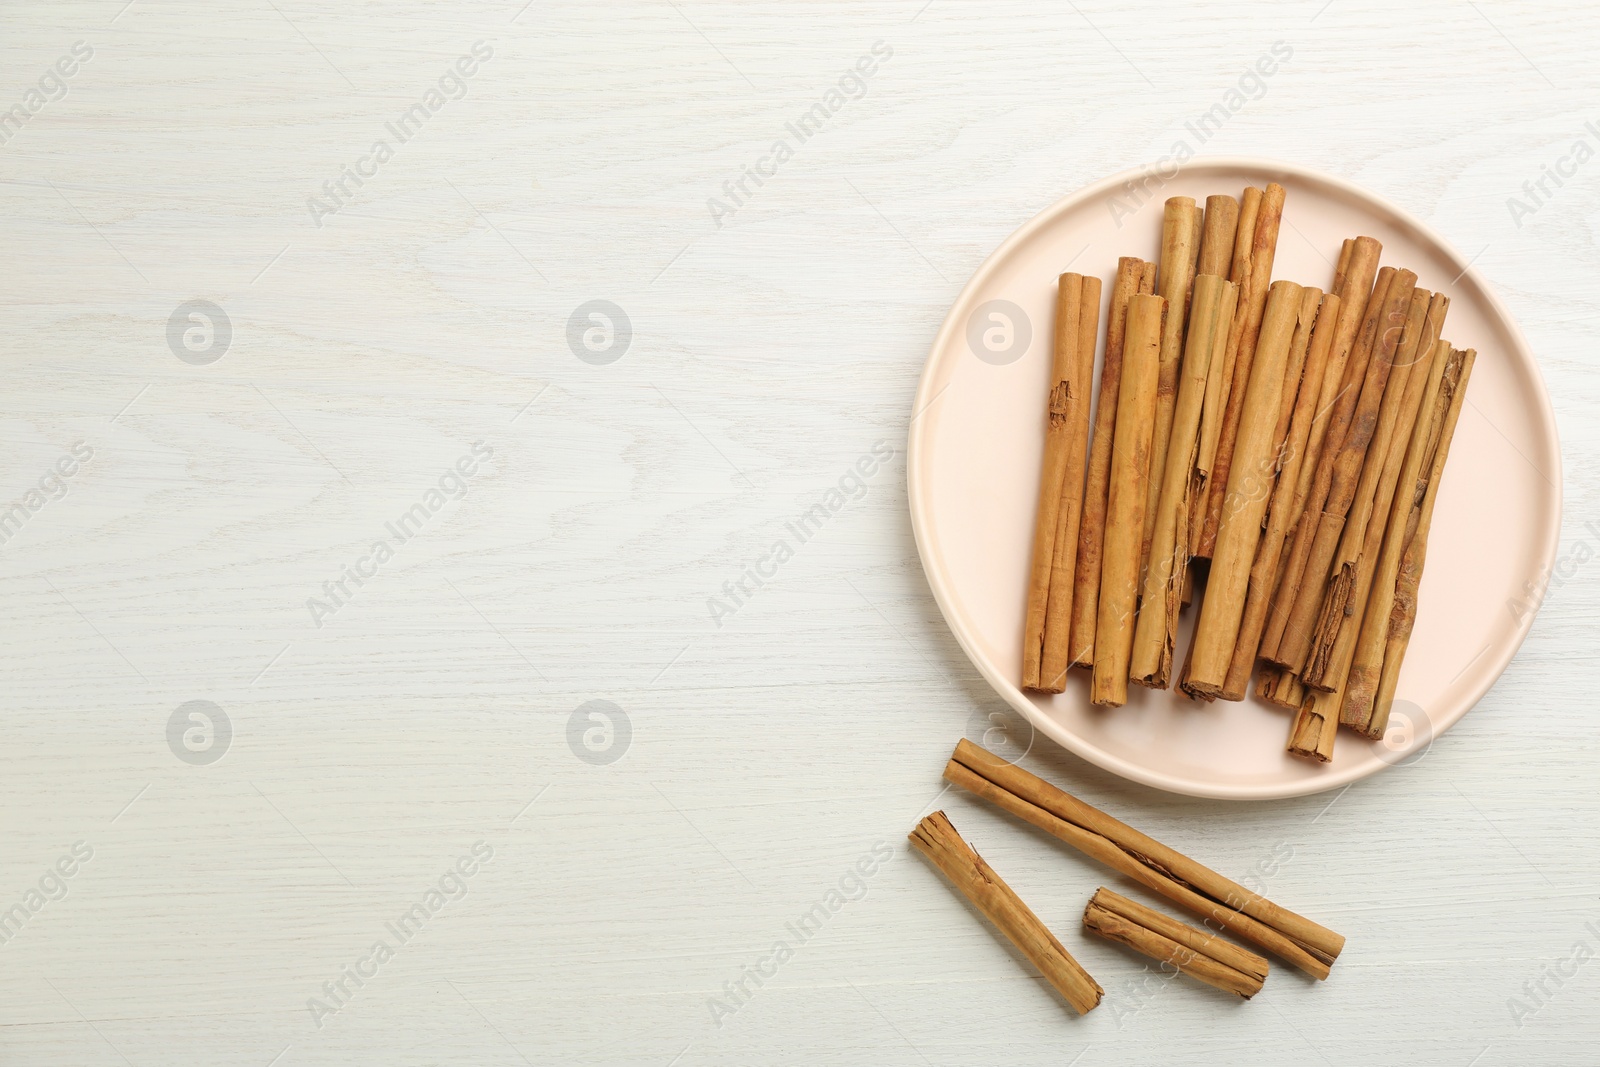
x,y
1360,301
1249,487
1067,398
1216,239
1130,467
1167,565
1345,473
1058,611
1314,337
1200,954
1180,240
1367,664
1404,613
1343,266
1359,542
1163,870
1222,364
937,839
1316,723
1252,304
1091,529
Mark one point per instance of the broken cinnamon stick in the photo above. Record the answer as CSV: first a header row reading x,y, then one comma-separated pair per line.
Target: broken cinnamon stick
x,y
937,839
1163,870
1250,482
1201,954
1130,467
1091,528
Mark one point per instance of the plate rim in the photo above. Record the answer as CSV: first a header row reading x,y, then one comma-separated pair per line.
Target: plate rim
x,y
920,509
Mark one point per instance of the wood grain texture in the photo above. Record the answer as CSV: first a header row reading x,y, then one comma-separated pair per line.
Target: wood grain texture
x,y
770,753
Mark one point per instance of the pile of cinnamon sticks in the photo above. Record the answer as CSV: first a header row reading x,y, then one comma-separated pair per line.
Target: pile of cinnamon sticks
x,y
1284,443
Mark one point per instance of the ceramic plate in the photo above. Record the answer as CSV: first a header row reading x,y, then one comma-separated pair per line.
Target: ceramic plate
x,y
977,436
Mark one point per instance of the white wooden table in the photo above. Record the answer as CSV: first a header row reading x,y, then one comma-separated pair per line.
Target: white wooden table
x,y
640,865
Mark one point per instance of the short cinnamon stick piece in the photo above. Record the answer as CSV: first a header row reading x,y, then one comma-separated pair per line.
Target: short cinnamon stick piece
x,y
1200,954
1167,565
1404,613
1091,529
936,839
1252,303
1067,406
1130,467
1163,870
1360,301
1250,482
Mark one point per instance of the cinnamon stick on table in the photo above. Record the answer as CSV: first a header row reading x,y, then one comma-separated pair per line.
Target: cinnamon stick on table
x,y
1252,303
1167,565
1221,377
1403,613
1066,407
1091,529
1345,473
1314,337
1180,242
1250,482
1130,467
1360,302
1201,954
1353,562
1058,611
1163,870
936,839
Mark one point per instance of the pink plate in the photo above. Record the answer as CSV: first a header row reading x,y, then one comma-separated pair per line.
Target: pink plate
x,y
977,435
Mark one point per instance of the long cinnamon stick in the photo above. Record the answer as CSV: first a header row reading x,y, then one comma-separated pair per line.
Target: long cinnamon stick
x,y
1367,664
1091,528
1252,301
1200,954
1250,483
937,839
1068,397
1360,302
1404,613
1163,870
1345,475
1315,337
1130,467
1356,554
1167,565
1180,240
1221,381
1058,612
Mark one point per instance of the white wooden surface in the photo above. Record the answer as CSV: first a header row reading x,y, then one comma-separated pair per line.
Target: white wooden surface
x,y
768,754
